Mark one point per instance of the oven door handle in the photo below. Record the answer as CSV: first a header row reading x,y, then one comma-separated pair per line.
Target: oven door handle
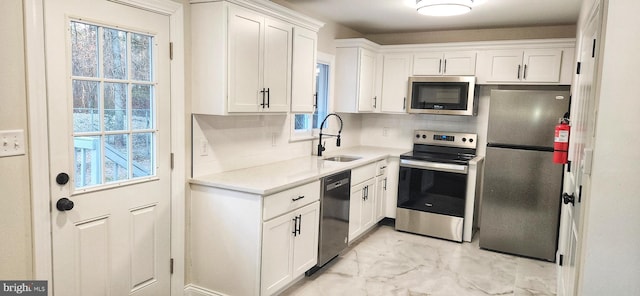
x,y
434,166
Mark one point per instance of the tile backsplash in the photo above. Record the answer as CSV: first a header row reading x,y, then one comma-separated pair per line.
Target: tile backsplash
x,y
225,143
396,130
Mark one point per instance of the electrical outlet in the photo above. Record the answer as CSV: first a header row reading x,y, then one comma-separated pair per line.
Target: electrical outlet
x,y
204,147
385,131
12,143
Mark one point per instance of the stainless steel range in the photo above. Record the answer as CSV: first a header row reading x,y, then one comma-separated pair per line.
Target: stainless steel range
x,y
433,184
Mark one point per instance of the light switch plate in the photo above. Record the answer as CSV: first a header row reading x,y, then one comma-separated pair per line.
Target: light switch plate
x,y
11,143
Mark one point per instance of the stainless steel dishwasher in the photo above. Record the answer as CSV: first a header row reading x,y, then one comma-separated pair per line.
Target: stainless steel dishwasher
x,y
334,217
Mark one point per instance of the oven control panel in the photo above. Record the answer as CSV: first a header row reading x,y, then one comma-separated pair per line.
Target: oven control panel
x,y
462,140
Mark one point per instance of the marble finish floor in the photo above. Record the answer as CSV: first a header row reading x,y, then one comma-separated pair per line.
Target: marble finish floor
x,y
389,262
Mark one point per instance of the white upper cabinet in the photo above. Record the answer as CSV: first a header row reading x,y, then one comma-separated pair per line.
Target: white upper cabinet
x,y
356,79
243,57
396,69
445,63
367,99
259,62
526,66
277,66
542,65
303,74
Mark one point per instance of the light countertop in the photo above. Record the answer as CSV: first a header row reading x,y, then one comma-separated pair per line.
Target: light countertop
x,y
275,177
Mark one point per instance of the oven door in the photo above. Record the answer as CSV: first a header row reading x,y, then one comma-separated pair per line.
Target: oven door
x,y
432,187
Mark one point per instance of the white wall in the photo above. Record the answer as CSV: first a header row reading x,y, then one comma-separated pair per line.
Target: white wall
x,y
15,212
611,261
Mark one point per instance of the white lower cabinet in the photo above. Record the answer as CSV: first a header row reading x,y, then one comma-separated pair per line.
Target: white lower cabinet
x,y
381,190
289,247
361,208
249,244
363,203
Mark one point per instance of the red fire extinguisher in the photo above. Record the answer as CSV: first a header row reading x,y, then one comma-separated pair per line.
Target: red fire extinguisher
x,y
561,141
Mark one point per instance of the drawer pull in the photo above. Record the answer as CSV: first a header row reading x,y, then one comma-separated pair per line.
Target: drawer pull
x,y
298,198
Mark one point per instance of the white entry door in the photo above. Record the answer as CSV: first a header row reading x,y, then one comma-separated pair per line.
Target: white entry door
x,y
583,116
109,126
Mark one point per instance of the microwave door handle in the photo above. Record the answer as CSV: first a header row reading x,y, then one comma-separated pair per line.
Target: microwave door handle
x,y
434,166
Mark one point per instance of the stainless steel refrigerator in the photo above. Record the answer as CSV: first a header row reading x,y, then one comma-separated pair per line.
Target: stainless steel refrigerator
x,y
522,186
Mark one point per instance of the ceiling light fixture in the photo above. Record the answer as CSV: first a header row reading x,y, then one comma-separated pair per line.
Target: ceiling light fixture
x,y
443,7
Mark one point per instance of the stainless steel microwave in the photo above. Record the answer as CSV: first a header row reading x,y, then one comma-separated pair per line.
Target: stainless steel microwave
x,y
448,95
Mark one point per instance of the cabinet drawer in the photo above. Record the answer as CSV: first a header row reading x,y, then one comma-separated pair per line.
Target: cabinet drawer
x,y
290,199
381,168
363,173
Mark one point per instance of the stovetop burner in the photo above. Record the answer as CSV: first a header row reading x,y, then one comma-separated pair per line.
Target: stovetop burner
x,y
444,147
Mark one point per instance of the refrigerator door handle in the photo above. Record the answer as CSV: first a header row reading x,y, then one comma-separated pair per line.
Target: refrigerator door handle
x,y
434,166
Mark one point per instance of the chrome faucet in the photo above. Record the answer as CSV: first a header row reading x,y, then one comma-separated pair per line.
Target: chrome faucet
x,y
320,146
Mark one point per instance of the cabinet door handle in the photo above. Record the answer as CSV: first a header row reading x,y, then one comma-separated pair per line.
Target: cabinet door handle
x,y
519,66
524,75
440,67
315,101
404,104
263,93
295,225
385,184
375,102
445,67
298,198
299,223
268,98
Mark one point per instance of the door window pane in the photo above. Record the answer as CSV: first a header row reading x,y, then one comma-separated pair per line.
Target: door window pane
x,y
113,104
86,106
143,151
142,99
88,161
116,157
84,49
115,54
141,57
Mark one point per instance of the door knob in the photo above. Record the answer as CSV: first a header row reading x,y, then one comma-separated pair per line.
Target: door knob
x,y
62,178
64,204
566,198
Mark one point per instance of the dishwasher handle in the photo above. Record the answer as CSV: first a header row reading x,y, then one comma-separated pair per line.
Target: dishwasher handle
x,y
338,184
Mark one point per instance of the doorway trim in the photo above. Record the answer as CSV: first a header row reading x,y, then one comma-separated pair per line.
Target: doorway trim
x,y
38,135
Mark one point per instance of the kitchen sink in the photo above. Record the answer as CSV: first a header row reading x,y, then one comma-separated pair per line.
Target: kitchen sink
x,y
342,158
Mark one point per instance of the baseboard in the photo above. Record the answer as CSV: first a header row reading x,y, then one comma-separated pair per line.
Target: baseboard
x,y
193,290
